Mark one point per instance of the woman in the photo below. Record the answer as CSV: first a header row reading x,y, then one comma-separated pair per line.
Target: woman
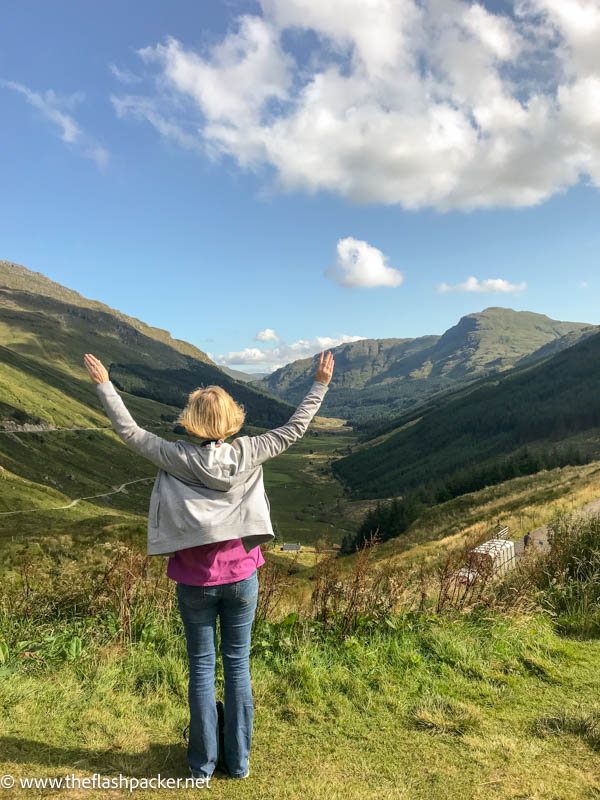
x,y
210,513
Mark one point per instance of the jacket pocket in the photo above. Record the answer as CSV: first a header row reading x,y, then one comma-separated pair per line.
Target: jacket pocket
x,y
155,504
154,510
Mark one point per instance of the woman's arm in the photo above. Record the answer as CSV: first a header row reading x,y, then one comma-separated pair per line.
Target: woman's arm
x,y
271,444
166,455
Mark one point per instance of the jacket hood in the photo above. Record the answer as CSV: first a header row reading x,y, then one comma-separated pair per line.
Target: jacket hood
x,y
215,466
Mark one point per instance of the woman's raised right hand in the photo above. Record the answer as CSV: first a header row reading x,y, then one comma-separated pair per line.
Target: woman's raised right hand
x,y
324,369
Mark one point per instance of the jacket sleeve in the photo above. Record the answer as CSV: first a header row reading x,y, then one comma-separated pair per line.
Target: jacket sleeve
x,y
166,455
272,443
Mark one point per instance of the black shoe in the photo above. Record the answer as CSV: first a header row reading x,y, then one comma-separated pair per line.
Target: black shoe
x,y
221,715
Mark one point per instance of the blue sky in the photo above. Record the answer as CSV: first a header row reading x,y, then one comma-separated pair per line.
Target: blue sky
x,y
226,169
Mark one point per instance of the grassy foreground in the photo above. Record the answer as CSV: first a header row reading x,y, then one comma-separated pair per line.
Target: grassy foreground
x,y
448,709
362,694
435,709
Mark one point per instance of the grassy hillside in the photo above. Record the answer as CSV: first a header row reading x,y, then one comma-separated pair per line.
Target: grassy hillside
x,y
383,377
33,305
542,407
47,328
521,504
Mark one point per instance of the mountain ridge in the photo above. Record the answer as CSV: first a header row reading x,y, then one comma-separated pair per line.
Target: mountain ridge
x,y
387,376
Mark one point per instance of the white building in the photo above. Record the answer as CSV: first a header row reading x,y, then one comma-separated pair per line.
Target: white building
x,y
494,557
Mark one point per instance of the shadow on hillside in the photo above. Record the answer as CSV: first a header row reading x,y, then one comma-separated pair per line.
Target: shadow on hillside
x,y
167,759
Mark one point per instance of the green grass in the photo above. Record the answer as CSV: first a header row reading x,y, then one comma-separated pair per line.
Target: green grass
x,y
305,497
438,708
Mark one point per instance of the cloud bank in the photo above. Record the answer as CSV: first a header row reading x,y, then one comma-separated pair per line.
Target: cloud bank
x,y
473,284
359,265
420,103
272,358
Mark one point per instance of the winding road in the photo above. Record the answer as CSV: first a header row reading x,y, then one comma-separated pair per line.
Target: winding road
x,y
116,490
41,429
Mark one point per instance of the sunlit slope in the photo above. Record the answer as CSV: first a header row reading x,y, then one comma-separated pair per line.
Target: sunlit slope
x,y
38,392
42,317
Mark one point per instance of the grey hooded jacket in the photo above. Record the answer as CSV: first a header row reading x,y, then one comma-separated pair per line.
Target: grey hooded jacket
x,y
208,494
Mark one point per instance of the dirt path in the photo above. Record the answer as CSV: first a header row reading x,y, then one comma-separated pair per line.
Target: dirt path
x,y
116,490
541,534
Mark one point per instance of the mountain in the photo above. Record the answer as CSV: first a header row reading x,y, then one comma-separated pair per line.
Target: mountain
x,y
246,377
530,411
46,328
384,377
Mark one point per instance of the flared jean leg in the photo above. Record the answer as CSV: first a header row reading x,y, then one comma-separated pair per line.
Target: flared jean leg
x,y
236,616
200,633
235,605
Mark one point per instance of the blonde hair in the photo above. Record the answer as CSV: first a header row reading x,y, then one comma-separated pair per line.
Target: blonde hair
x,y
212,413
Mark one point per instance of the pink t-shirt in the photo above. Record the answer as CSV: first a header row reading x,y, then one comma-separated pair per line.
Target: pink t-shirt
x,y
213,564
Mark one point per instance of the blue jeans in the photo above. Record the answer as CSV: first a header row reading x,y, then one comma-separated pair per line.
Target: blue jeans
x,y
235,604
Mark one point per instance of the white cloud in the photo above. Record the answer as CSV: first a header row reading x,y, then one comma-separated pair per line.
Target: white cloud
x,y
268,335
360,265
473,284
273,358
50,105
413,102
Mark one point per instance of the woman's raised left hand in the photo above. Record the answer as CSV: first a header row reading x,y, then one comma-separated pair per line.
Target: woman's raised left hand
x,y
96,369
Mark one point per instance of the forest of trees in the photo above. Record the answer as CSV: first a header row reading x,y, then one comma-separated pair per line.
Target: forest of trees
x,y
393,517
